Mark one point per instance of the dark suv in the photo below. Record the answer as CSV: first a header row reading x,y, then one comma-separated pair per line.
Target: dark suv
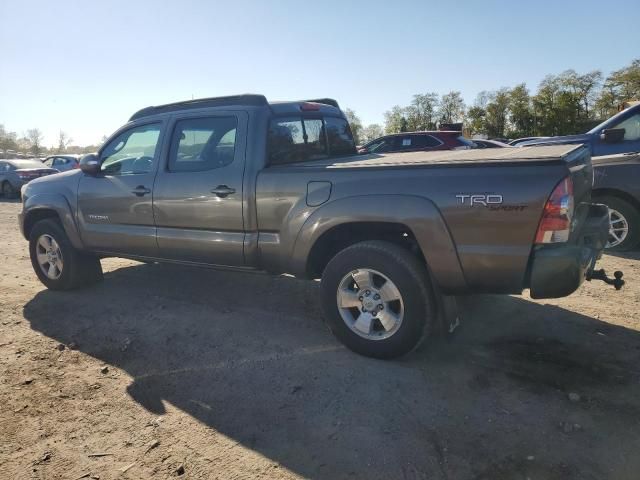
x,y
418,141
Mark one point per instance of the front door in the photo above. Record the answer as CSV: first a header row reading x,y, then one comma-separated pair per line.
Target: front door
x,y
115,210
198,195
630,143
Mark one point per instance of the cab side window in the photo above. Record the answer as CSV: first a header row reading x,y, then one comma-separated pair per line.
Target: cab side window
x,y
132,152
293,139
200,144
339,137
631,127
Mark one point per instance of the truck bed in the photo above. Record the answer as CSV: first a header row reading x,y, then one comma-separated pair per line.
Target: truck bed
x,y
442,158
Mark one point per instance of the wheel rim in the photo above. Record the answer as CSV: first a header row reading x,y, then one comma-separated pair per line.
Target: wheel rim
x,y
370,304
618,228
49,257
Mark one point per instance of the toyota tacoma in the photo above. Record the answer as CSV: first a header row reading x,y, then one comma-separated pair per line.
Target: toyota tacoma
x,y
243,184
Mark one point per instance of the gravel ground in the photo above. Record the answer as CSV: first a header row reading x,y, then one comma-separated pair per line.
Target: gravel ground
x,y
174,372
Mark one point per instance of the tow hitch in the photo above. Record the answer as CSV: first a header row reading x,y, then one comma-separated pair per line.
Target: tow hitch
x,y
617,281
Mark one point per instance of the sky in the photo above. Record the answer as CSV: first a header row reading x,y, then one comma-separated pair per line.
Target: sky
x,y
85,66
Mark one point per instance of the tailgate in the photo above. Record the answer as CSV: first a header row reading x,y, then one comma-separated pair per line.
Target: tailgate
x,y
578,162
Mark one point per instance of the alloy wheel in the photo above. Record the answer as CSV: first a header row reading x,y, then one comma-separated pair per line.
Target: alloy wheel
x,y
49,257
370,304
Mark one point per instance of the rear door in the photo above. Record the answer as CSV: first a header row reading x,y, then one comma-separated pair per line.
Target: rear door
x,y
115,210
198,192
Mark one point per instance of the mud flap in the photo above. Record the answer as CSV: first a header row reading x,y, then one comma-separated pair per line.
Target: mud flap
x,y
449,317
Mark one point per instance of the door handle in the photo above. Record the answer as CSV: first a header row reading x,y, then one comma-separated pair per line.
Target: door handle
x,y
140,190
222,191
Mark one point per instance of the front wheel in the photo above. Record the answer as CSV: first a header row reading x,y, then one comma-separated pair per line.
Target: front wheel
x,y
58,265
624,224
377,299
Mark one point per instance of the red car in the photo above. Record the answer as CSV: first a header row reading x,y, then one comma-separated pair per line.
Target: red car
x,y
417,141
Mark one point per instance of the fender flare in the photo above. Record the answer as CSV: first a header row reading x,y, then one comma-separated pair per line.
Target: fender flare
x,y
55,202
419,214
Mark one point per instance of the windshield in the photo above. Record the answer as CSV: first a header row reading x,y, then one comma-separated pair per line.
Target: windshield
x,y
27,164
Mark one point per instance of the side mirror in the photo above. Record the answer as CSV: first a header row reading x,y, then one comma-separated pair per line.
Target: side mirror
x,y
90,164
612,135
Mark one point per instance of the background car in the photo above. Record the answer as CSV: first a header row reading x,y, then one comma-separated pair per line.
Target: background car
x,y
518,141
615,184
62,163
15,173
618,134
417,141
484,143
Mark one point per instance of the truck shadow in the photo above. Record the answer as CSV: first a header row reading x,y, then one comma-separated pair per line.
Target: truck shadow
x,y
249,356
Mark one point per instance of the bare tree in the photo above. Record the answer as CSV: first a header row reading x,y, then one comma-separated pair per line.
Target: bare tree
x,y
34,138
63,141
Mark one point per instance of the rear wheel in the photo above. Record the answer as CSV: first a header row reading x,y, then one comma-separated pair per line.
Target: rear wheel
x,y
377,299
624,224
57,264
8,191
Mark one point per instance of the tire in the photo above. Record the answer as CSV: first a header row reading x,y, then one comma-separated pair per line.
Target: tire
x,y
623,214
377,262
75,270
8,191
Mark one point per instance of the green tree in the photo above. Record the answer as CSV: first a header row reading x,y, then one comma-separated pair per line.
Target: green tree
x,y
606,103
355,123
394,119
371,132
520,112
452,107
497,112
476,120
625,83
422,114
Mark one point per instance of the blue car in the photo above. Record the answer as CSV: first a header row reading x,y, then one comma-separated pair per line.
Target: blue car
x,y
618,134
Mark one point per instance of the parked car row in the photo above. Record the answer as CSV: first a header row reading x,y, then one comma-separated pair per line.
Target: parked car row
x,y
16,173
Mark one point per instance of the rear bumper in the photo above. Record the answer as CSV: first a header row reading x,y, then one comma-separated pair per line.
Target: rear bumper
x,y
557,270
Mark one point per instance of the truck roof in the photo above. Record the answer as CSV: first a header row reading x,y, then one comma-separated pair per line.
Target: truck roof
x,y
323,105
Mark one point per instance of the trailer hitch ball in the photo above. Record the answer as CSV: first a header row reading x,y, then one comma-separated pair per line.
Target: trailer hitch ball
x,y
617,281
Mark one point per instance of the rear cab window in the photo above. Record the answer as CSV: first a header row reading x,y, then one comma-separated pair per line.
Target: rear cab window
x,y
294,139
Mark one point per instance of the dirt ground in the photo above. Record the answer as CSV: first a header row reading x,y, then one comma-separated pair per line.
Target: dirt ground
x,y
174,372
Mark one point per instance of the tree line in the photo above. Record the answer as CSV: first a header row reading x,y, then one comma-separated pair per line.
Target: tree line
x,y
563,104
32,142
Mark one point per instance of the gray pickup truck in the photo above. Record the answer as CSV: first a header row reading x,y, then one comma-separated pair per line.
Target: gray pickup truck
x,y
244,184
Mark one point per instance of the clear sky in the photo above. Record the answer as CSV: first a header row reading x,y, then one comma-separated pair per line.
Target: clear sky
x,y
86,66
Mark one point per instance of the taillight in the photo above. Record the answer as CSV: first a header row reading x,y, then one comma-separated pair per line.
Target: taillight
x,y
555,225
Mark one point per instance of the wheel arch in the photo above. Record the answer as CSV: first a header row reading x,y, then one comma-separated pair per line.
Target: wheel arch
x,y
43,206
410,221
614,192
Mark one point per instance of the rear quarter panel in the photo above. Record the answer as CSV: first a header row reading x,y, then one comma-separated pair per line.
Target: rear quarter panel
x,y
491,246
